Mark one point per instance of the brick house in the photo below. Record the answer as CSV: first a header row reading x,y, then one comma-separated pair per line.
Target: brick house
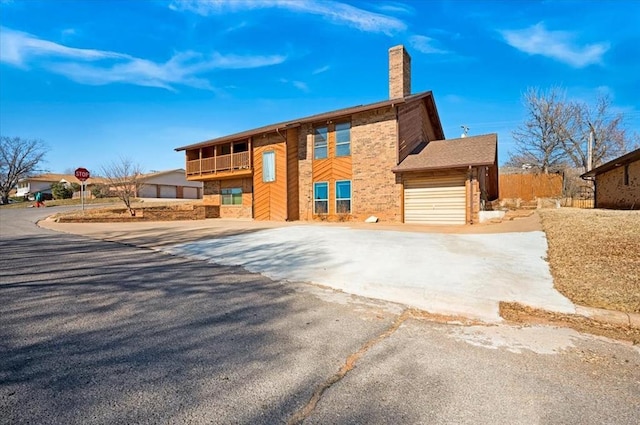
x,y
387,159
617,183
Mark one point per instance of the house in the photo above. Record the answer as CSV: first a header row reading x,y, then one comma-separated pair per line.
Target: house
x,y
388,159
29,186
158,184
169,184
617,183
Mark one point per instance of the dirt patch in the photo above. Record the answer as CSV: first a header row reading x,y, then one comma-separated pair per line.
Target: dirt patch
x,y
594,256
519,313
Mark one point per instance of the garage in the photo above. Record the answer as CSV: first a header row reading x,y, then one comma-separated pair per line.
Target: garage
x,y
190,192
168,191
435,200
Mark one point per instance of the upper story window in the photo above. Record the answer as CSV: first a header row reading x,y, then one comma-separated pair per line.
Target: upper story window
x,y
320,140
343,139
269,167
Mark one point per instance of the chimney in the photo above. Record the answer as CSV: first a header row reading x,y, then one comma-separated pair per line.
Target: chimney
x,y
399,72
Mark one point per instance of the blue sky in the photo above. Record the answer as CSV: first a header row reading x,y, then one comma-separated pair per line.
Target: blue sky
x,y
97,80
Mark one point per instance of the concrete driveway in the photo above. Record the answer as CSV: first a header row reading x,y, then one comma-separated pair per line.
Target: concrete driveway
x,y
453,274
463,270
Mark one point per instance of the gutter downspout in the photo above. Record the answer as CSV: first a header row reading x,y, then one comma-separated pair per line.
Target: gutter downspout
x,y
470,195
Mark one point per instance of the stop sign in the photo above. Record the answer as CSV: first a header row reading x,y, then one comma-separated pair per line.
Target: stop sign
x,y
82,174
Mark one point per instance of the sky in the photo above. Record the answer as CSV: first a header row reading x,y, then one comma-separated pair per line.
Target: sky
x,y
102,80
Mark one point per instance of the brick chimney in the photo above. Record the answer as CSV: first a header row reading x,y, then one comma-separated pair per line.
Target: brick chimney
x,y
399,72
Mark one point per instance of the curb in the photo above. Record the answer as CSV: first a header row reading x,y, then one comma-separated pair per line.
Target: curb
x,y
610,316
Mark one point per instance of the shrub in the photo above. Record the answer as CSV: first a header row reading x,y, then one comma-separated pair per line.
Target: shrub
x,y
61,191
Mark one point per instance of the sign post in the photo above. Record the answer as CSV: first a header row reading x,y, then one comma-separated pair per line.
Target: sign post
x,y
82,174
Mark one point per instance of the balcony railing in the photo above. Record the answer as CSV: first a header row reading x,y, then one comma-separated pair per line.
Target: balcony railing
x,y
218,164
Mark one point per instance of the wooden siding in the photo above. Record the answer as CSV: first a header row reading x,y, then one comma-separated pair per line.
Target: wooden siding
x,y
270,199
293,204
414,127
332,169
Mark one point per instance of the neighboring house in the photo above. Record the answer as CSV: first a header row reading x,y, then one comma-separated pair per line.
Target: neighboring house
x,y
386,159
169,184
29,186
617,183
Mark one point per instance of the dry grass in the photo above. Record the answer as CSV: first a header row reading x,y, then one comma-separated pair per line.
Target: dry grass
x,y
519,313
595,256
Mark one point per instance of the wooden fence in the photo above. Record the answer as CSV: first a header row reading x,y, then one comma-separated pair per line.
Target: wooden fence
x,y
530,186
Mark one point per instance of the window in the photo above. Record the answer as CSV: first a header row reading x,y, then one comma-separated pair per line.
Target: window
x,y
268,166
321,198
232,196
343,197
626,175
320,143
343,139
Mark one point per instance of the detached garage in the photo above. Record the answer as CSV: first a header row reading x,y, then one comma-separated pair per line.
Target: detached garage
x,y
171,184
449,181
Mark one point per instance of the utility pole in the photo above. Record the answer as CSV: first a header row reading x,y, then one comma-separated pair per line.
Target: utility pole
x,y
592,135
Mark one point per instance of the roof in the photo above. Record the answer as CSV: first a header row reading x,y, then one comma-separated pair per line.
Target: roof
x,y
618,162
318,117
472,151
55,178
162,173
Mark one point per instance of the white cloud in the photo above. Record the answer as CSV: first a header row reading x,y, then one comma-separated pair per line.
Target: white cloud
x,y
424,44
17,48
300,85
558,45
337,12
98,67
321,70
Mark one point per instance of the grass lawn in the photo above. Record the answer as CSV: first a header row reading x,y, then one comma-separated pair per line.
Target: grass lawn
x,y
595,256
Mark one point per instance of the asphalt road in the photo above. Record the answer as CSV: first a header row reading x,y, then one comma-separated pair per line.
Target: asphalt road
x,y
95,332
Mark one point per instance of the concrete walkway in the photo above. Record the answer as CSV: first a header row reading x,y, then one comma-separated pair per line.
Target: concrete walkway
x,y
458,274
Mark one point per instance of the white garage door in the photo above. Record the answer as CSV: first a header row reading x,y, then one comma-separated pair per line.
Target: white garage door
x,y
190,192
148,191
168,192
435,200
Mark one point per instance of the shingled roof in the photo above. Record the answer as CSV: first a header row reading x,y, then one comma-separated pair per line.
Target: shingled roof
x,y
427,95
618,162
472,151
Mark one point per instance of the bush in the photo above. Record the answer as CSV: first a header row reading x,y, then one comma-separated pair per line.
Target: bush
x,y
100,191
61,191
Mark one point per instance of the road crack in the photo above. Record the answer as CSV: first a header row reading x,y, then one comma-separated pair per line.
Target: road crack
x,y
303,413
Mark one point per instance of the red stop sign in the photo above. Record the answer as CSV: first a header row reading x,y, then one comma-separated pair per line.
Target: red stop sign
x,y
82,174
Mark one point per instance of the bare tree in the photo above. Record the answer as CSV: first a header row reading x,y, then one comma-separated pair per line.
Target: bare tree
x,y
124,178
18,158
556,131
610,137
538,141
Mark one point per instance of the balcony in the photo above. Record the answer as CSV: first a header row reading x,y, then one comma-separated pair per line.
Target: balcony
x,y
221,166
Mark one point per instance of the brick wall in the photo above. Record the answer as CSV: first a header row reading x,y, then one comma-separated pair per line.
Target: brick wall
x,y
211,197
399,72
305,171
375,189
611,192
